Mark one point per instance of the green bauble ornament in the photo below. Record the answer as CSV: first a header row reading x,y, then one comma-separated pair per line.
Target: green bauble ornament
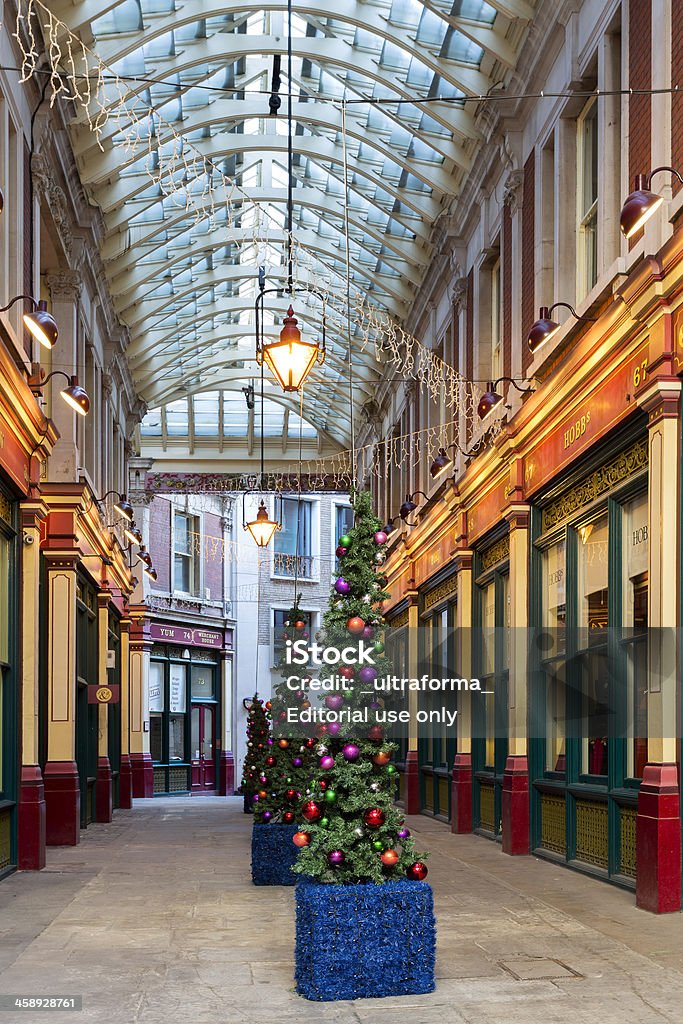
x,y
345,541
331,796
378,844
391,769
324,822
378,647
288,780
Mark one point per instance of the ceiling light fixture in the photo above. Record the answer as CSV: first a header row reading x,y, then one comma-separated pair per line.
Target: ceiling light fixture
x,y
642,202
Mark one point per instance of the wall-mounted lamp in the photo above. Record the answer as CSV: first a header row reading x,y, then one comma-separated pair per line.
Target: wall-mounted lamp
x,y
491,399
147,568
409,505
41,324
389,526
642,202
544,328
132,533
444,461
73,394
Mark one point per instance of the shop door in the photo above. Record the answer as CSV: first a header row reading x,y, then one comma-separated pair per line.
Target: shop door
x,y
203,748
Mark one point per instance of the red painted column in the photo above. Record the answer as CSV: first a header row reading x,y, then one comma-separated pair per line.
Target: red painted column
x,y
31,819
516,805
411,784
62,803
658,840
461,794
226,774
104,796
142,771
125,783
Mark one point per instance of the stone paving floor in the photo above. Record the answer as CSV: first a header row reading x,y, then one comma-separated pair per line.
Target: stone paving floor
x,y
153,920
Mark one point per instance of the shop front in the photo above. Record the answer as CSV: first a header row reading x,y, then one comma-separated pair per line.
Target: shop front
x,y
190,684
9,681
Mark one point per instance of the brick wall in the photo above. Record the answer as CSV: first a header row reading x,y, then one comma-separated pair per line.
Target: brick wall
x,y
507,290
160,542
640,77
529,312
677,97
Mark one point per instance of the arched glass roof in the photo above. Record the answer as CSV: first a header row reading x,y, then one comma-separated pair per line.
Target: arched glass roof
x,y
190,171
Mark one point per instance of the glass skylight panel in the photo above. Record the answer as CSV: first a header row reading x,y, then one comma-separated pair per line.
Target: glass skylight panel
x,y
176,418
458,47
297,424
474,10
125,17
205,411
432,29
151,424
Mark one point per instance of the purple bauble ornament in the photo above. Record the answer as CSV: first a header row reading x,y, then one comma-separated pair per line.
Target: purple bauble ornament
x,y
334,701
342,587
351,752
297,762
336,857
381,537
270,741
403,833
340,552
306,634
333,728
368,633
375,704
367,674
326,762
254,798
267,815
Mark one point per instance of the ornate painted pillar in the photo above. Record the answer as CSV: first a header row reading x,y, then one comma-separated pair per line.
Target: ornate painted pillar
x,y
62,786
125,775
658,823
103,786
142,770
32,810
515,796
461,784
411,781
226,785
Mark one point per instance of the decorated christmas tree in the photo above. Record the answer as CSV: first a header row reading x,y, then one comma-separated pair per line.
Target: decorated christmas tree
x,y
258,747
290,760
353,832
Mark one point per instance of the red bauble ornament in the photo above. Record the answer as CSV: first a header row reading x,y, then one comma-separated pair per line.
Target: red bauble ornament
x,y
323,784
347,672
301,839
291,794
389,858
268,705
375,734
270,761
382,757
311,811
355,624
299,624
283,744
288,817
310,742
417,871
374,818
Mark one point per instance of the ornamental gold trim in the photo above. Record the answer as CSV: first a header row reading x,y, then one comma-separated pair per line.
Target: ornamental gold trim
x,y
400,620
5,509
553,824
591,832
498,552
447,589
628,842
597,483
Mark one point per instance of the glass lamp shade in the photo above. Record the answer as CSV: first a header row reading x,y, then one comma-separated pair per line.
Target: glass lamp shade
x,y
42,325
441,464
262,528
76,396
144,556
542,330
124,508
151,572
638,208
488,402
290,359
132,534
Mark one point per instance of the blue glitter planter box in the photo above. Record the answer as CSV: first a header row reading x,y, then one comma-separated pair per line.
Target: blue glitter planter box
x,y
272,855
364,941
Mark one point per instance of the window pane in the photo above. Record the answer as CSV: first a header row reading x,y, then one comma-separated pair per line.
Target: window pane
x,y
207,745
554,598
488,623
181,573
4,600
156,686
182,534
555,704
595,711
177,687
202,681
589,192
176,738
155,736
635,576
592,576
